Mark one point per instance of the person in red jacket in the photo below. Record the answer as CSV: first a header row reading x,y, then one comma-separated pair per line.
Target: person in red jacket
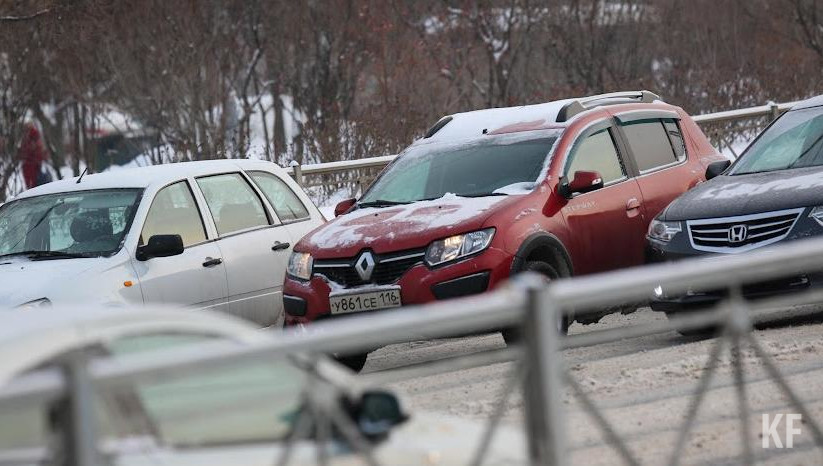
x,y
32,154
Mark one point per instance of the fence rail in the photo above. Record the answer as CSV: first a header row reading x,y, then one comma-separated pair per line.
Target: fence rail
x,y
337,171
528,304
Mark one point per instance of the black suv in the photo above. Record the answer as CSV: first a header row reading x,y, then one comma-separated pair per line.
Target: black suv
x,y
772,193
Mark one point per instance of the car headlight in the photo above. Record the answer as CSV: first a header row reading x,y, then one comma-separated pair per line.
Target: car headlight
x,y
663,231
300,264
817,214
35,304
457,246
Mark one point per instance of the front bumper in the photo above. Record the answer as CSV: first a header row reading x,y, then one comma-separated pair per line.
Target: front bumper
x,y
308,301
680,248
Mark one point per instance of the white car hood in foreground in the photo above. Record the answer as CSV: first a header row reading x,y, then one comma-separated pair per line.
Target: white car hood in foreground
x,y
23,280
426,439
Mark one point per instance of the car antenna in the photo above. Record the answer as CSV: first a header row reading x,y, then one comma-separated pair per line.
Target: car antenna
x,y
82,175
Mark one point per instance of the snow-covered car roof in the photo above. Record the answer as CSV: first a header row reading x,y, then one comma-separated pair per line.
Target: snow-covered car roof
x,y
145,177
808,103
29,337
467,125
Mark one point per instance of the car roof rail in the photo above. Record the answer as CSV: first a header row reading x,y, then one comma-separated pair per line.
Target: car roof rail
x,y
587,103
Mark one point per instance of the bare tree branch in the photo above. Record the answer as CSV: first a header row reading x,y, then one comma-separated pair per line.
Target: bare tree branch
x,y
11,18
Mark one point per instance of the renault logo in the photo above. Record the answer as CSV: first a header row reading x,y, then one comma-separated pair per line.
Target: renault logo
x,y
738,233
365,266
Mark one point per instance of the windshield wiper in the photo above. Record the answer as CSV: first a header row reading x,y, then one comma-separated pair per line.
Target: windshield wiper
x,y
483,194
805,152
381,203
46,254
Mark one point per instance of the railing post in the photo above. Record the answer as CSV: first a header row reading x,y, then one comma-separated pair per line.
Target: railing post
x,y
78,422
298,172
543,389
774,109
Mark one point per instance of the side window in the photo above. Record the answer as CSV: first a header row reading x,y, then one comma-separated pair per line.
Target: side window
x,y
174,212
232,202
650,143
284,201
676,138
597,152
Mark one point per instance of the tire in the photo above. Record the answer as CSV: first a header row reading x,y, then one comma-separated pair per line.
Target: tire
x,y
702,332
354,362
512,335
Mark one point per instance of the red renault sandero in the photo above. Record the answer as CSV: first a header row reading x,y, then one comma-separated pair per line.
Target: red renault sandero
x,y
562,188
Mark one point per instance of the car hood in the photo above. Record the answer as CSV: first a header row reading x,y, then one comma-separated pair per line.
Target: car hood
x,y
23,280
389,229
428,439
727,196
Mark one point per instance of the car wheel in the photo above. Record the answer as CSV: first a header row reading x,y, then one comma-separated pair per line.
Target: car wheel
x,y
701,332
512,335
354,362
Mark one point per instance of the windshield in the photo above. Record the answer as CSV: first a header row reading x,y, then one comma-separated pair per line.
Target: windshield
x,y
74,224
793,141
494,166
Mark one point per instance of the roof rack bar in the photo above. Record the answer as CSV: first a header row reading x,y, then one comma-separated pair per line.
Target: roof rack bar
x,y
579,105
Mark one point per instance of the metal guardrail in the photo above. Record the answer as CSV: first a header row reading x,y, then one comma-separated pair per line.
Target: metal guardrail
x,y
528,304
771,109
299,172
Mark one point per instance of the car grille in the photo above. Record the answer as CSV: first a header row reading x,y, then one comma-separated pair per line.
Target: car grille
x,y
742,233
388,268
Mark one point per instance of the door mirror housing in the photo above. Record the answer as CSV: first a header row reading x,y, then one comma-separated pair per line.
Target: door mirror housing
x,y
716,168
160,246
582,182
377,413
343,206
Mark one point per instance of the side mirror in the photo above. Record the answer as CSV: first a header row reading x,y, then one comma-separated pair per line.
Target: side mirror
x,y
377,413
160,246
716,168
582,182
343,206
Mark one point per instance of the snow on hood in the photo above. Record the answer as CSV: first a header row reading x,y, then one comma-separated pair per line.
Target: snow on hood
x,y
517,188
394,228
23,280
747,194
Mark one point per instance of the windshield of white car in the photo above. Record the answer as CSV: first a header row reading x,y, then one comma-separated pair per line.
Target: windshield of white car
x,y
67,225
485,167
793,141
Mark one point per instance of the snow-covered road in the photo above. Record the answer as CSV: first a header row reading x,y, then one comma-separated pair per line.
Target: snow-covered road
x,y
645,386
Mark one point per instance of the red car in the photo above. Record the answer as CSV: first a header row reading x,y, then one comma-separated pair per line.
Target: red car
x,y
562,188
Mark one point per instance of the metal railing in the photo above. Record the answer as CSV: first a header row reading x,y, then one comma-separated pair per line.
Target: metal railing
x,y
528,304
721,127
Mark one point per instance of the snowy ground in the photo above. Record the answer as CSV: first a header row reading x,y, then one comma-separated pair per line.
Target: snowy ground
x,y
644,385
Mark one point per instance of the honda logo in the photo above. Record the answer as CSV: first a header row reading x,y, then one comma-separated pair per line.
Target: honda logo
x,y
365,266
738,233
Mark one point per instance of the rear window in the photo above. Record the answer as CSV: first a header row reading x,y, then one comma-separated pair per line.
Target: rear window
x,y
284,201
676,138
651,143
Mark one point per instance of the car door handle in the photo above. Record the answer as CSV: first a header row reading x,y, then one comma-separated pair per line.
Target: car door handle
x,y
632,204
278,246
212,262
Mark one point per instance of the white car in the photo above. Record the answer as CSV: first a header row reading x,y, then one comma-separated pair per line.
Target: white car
x,y
225,415
211,234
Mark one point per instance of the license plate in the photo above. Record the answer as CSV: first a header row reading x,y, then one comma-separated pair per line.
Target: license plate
x,y
367,301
